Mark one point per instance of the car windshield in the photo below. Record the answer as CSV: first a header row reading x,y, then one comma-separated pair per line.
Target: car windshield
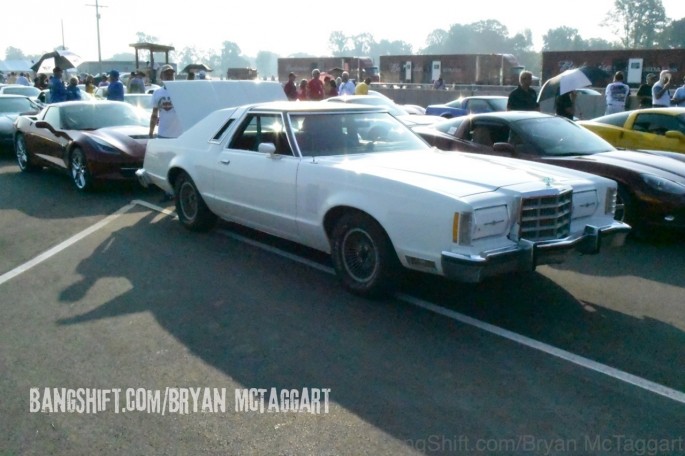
x,y
558,137
140,100
350,133
17,105
91,116
617,119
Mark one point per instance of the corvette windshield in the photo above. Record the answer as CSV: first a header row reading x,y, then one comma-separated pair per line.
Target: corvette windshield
x,y
319,134
91,116
557,136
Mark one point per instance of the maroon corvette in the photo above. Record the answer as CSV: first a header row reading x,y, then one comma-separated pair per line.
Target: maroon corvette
x,y
92,141
651,185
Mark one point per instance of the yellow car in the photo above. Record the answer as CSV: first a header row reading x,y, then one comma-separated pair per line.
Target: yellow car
x,y
647,129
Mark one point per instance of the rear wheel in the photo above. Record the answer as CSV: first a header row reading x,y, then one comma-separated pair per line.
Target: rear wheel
x,y
22,153
192,211
79,171
363,256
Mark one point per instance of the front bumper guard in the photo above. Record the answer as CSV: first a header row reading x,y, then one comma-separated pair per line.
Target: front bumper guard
x,y
527,255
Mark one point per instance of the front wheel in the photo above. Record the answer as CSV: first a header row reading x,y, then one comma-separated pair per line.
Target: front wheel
x,y
363,256
22,153
79,171
192,211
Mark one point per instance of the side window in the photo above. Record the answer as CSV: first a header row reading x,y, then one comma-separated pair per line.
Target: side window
x,y
488,134
52,117
261,128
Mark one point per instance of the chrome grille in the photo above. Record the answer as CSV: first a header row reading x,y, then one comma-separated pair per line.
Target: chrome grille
x,y
546,217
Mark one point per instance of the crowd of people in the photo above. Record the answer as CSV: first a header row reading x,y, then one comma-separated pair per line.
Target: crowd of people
x,y
654,92
318,89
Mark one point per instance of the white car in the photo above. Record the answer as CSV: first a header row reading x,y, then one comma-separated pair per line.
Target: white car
x,y
355,182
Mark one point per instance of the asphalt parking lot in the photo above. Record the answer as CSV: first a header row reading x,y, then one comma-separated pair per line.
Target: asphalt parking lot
x,y
106,292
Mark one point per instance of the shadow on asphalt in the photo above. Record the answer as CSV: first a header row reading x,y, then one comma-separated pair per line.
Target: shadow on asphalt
x,y
267,321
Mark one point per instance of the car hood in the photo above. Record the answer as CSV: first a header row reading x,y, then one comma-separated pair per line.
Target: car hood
x,y
130,140
640,162
440,170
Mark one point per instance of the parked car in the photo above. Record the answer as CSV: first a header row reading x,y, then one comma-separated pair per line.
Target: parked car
x,y
93,141
12,106
18,89
468,105
651,186
142,101
648,128
101,92
313,173
410,108
394,109
44,96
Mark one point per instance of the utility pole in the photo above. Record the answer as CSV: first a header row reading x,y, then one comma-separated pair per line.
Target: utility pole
x,y
97,18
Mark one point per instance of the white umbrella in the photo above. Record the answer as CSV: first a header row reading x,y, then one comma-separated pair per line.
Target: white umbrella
x,y
565,82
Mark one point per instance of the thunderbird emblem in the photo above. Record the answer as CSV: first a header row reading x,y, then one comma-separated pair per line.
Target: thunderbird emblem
x,y
548,181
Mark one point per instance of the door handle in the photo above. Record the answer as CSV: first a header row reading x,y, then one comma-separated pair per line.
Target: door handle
x,y
225,161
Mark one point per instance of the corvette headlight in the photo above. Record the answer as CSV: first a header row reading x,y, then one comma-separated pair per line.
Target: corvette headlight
x,y
105,147
663,185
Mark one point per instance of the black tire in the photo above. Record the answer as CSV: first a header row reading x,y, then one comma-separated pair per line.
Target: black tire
x,y
363,256
78,170
192,211
22,154
627,213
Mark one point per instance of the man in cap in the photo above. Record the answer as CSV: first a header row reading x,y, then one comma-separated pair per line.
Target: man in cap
x,y
290,88
115,89
58,92
164,116
644,92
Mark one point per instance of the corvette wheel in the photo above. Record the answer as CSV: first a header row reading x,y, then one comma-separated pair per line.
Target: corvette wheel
x,y
23,159
192,211
363,256
79,171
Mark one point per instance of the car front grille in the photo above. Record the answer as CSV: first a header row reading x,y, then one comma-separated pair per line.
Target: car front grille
x,y
546,217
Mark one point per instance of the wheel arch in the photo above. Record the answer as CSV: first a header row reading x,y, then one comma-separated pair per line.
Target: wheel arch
x,y
334,214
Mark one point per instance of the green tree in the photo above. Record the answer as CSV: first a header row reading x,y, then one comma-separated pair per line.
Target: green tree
x,y
638,23
562,39
674,34
144,38
266,63
12,53
338,43
231,57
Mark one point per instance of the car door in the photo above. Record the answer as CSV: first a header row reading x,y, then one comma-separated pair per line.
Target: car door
x,y
256,188
648,131
42,143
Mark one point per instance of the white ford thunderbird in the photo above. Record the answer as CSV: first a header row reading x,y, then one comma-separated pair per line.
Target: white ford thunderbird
x,y
353,181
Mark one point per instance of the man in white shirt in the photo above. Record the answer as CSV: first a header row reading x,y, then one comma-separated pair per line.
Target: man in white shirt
x,y
346,86
661,94
617,94
679,96
164,116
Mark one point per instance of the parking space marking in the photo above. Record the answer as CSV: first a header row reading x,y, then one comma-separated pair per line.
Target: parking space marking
x,y
587,363
581,361
63,245
549,349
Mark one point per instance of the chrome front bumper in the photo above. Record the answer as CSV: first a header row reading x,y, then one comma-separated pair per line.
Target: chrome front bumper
x,y
527,255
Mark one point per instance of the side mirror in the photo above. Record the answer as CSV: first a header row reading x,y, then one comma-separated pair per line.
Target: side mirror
x,y
503,148
675,134
267,148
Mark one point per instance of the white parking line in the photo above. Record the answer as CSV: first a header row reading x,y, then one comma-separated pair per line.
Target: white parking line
x,y
63,245
640,382
501,332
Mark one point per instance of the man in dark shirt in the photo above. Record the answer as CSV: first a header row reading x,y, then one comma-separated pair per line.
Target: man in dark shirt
x,y
290,88
523,98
